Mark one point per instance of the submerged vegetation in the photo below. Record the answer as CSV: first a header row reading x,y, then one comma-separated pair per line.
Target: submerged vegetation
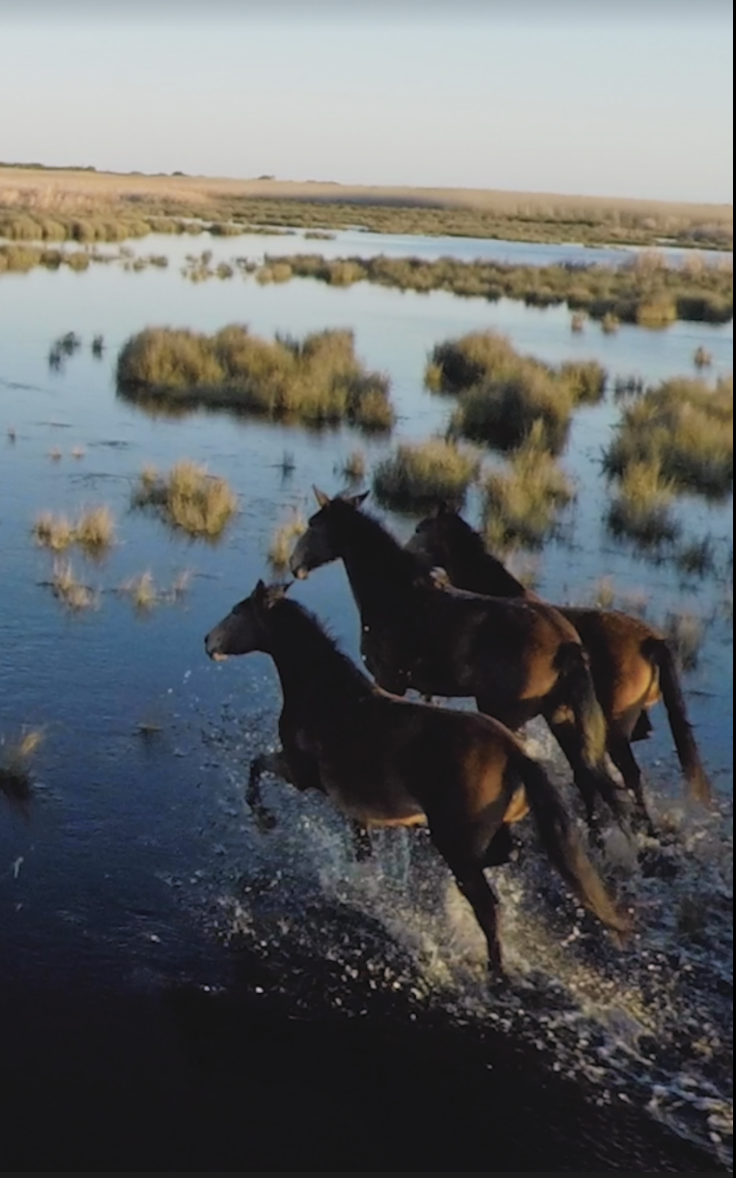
x,y
316,380
522,503
188,498
684,429
416,476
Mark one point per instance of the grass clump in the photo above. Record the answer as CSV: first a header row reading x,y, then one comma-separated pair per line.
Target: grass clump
x,y
73,593
316,380
188,498
142,591
702,357
522,503
503,394
685,427
53,531
353,469
282,542
93,530
16,756
641,507
418,475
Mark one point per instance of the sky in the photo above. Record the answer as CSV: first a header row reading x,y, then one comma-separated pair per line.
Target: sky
x,y
596,97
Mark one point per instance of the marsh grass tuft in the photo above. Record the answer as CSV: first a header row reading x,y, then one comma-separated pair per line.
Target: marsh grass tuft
x,y
282,541
142,591
522,503
188,498
641,507
354,467
685,427
53,531
702,358
93,530
316,380
16,757
73,593
418,475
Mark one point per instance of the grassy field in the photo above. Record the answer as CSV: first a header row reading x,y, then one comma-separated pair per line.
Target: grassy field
x,y
85,194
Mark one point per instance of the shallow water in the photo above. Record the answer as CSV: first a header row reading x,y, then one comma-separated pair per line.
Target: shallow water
x,y
140,866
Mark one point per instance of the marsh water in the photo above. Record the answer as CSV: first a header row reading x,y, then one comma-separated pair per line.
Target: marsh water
x,y
139,872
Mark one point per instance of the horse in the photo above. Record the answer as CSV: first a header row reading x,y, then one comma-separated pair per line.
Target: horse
x,y
518,659
385,761
631,663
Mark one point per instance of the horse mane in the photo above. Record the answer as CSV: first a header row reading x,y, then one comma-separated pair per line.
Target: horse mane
x,y
475,551
376,540
331,666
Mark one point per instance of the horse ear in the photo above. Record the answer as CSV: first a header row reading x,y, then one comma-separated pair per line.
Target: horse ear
x,y
274,593
260,588
358,500
320,496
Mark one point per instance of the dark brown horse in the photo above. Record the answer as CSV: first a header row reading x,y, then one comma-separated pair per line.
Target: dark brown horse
x,y
631,664
386,762
518,659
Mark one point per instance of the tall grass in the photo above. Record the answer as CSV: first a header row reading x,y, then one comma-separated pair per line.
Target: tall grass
x,y
641,507
416,476
522,503
93,529
316,380
685,427
282,541
72,592
188,498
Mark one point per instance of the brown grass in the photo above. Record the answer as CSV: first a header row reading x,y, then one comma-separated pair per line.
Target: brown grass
x,y
16,756
188,498
282,541
74,594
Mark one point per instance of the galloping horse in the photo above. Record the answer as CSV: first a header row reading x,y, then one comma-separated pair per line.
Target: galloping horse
x,y
387,762
631,664
518,659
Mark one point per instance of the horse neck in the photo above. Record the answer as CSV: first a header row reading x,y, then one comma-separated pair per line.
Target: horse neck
x,y
478,571
315,676
380,571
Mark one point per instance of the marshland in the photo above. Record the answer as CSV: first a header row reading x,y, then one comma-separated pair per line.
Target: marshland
x,y
188,422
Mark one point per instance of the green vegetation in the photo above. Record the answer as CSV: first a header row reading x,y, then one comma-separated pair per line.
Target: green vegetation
x,y
637,291
188,498
522,503
504,395
684,428
416,476
318,380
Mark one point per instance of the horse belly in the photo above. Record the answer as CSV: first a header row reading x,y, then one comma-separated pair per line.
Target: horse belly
x,y
381,800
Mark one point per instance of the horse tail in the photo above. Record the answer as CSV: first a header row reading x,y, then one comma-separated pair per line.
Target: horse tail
x,y
657,650
564,847
590,722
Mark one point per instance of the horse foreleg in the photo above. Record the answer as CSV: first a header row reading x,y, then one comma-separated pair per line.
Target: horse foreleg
x,y
275,763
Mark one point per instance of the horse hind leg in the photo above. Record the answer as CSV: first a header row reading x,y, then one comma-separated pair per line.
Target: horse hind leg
x,y
361,841
468,873
623,758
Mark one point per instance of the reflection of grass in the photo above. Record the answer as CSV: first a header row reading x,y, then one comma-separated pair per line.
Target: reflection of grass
x,y
75,595
188,498
417,475
282,542
16,757
641,507
522,503
318,379
684,426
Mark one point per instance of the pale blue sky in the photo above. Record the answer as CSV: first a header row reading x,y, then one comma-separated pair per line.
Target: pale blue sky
x,y
619,98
